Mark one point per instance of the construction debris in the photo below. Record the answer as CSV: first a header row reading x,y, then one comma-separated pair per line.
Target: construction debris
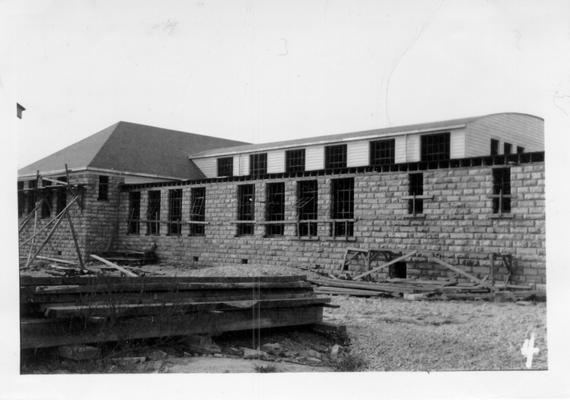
x,y
60,311
412,289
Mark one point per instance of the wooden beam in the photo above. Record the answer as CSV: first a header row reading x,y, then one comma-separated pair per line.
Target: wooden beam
x,y
75,243
460,272
145,287
42,332
57,260
117,267
27,218
43,228
51,232
122,310
36,208
91,280
394,261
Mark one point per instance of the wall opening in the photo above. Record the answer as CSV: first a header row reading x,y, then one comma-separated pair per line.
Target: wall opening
x,y
174,212
258,164
416,188
501,190
435,147
382,152
225,166
197,210
335,156
398,270
275,208
103,188
134,213
295,161
153,213
307,207
246,209
342,192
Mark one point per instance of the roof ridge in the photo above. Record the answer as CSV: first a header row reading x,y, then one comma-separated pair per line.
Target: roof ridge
x,y
114,126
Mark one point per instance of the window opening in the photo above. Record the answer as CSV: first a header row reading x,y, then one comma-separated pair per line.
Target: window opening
x,y
275,208
246,209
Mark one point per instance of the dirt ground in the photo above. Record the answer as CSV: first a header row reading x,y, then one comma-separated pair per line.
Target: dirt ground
x,y
401,335
385,334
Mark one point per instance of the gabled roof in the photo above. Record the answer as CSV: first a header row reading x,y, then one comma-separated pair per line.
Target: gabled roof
x,y
342,137
133,148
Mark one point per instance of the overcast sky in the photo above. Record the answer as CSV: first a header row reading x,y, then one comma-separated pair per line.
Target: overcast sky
x,y
260,71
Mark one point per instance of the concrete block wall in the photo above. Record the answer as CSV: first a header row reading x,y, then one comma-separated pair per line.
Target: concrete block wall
x,y
95,225
457,224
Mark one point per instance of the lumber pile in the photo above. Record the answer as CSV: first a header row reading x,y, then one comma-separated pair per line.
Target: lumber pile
x,y
445,290
58,311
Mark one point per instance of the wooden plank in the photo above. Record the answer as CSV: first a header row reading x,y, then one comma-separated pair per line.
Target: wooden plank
x,y
347,292
144,287
460,272
26,280
57,260
38,333
123,310
52,230
395,260
143,298
110,264
378,287
75,243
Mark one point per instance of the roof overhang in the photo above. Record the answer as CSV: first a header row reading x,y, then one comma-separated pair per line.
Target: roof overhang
x,y
103,170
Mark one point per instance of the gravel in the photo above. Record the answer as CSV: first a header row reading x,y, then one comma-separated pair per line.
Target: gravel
x,y
395,334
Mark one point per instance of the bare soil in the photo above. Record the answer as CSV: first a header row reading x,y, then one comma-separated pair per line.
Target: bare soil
x,y
386,334
401,335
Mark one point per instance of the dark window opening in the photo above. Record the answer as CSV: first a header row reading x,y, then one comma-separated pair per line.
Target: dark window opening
x,y
197,210
335,156
47,200
275,208
174,212
435,147
153,213
195,258
416,188
494,147
520,149
382,152
398,270
307,207
21,199
103,188
32,196
134,213
258,164
501,190
244,260
342,191
226,166
295,161
507,148
61,200
246,209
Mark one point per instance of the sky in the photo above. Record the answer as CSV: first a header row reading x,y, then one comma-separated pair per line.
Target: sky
x,y
265,70
260,71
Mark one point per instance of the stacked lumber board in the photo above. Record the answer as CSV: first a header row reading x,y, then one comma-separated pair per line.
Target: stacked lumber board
x,y
431,288
85,309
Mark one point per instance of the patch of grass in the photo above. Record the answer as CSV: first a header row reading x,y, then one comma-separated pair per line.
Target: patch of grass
x,y
350,362
264,369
